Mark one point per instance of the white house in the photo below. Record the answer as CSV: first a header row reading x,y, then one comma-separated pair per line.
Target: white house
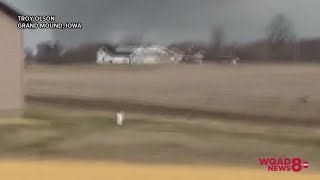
x,y
105,56
175,55
150,55
141,55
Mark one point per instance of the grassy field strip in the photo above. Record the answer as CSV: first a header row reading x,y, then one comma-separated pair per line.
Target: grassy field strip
x,y
158,109
257,90
53,170
20,121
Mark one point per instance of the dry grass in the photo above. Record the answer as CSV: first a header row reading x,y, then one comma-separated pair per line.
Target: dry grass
x,y
288,91
283,91
68,133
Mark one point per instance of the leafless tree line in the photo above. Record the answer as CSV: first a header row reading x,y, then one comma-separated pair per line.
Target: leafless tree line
x,y
281,44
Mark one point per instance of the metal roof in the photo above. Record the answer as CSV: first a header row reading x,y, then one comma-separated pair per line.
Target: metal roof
x,y
112,51
10,10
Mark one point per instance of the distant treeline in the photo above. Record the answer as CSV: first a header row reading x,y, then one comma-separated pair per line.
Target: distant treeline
x,y
307,50
280,44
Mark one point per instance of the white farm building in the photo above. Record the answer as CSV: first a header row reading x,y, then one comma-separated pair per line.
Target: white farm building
x,y
141,55
150,55
106,56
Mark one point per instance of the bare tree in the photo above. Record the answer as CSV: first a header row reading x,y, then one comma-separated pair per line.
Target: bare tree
x,y
44,51
49,52
280,30
218,36
281,37
217,40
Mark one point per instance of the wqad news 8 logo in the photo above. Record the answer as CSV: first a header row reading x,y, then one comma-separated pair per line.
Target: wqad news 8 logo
x,y
284,164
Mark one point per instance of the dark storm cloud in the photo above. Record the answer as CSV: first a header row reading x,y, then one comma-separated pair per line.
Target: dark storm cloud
x,y
109,19
168,20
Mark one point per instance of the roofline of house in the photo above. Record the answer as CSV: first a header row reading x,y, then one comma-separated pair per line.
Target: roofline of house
x,y
177,50
10,10
114,53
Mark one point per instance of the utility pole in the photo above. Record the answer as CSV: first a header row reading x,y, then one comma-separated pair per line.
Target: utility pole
x,y
296,50
266,50
235,50
130,60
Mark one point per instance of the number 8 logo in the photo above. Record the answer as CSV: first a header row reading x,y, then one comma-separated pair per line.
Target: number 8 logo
x,y
296,165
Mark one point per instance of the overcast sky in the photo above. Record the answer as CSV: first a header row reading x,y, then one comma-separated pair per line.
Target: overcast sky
x,y
169,20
